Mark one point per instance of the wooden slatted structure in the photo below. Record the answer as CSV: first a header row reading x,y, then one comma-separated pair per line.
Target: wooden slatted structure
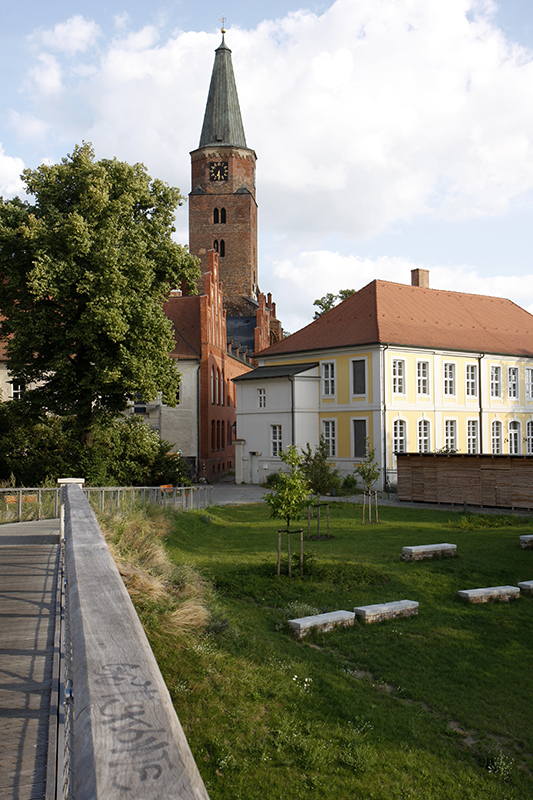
x,y
478,480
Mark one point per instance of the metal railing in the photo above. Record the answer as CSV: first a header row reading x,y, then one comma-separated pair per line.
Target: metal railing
x,y
26,504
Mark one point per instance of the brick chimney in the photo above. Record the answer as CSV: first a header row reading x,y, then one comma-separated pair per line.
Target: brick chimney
x,y
420,277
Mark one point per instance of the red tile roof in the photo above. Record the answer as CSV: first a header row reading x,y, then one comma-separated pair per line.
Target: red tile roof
x,y
399,314
184,313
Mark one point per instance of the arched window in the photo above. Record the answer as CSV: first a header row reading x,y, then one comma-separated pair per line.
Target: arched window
x,y
215,216
529,438
222,248
514,438
215,245
399,435
223,389
222,216
496,437
213,385
424,441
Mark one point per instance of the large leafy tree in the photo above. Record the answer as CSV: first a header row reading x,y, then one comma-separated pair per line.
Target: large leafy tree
x,y
330,300
85,265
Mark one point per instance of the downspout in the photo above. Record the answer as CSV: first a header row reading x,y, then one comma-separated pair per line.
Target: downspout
x,y
198,418
291,379
479,359
384,413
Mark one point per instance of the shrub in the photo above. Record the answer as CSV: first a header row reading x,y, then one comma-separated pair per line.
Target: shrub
x,y
321,476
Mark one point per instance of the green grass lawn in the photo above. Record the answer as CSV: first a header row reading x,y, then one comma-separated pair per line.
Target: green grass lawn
x,y
436,706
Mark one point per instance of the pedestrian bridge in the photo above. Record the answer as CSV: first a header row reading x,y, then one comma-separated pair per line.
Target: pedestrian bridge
x,y
85,711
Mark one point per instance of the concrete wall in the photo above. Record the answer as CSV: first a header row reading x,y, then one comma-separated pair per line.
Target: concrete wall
x,y
127,741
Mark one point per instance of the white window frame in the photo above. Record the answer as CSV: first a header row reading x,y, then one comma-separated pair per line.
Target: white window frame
x,y
514,436
529,437
399,435
261,398
496,435
472,436
328,379
398,376
276,440
17,390
495,380
329,432
529,383
450,385
450,434
423,431
471,381
352,362
353,420
513,382
422,378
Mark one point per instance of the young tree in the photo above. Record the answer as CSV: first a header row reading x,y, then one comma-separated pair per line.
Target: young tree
x,y
292,489
85,266
369,469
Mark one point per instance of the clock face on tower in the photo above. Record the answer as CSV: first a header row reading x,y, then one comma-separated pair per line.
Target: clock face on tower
x,y
218,171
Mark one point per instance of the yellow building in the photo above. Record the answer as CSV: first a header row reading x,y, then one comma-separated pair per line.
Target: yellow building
x,y
413,369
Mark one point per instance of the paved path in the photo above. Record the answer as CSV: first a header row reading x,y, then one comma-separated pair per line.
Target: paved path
x,y
29,558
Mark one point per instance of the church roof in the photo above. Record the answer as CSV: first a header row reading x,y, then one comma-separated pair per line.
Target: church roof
x,y
222,118
397,314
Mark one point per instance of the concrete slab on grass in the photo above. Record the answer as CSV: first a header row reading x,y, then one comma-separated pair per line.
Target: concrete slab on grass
x,y
526,541
485,595
382,611
422,551
322,622
526,587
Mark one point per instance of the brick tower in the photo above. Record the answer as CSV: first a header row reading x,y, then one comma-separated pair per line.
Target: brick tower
x,y
222,204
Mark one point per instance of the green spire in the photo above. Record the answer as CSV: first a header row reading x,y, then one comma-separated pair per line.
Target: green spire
x,y
222,119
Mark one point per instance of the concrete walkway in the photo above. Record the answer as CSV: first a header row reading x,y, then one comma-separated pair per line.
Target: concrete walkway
x,y
29,559
225,494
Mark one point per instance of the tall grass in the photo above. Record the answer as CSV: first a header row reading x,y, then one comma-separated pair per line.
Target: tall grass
x,y
436,706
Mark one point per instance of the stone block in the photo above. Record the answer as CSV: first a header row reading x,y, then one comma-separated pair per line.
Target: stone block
x,y
322,622
382,611
526,541
424,551
501,593
526,587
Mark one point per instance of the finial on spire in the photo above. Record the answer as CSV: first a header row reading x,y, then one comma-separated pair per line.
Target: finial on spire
x,y
223,29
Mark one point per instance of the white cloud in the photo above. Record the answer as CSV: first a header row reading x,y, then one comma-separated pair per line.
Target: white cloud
x,y
29,127
373,112
10,170
75,35
366,116
46,77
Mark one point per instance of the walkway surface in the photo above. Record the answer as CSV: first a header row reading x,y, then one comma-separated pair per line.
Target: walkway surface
x,y
29,559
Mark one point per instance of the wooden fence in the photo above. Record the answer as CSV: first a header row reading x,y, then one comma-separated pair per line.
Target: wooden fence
x,y
477,480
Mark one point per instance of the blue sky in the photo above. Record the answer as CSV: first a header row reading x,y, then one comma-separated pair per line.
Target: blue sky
x,y
390,134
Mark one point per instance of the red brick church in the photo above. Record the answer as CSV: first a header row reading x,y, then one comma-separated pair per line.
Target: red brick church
x,y
218,330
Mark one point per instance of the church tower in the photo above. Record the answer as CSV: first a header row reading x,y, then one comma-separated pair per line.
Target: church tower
x,y
222,204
